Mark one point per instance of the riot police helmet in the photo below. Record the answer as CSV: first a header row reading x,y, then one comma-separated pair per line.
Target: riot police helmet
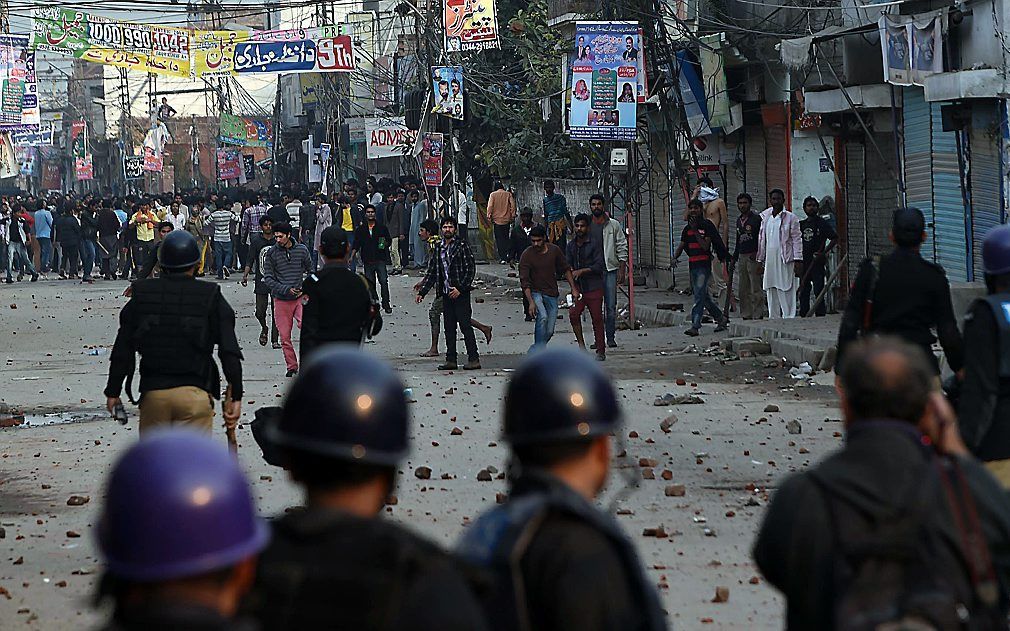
x,y
996,251
178,251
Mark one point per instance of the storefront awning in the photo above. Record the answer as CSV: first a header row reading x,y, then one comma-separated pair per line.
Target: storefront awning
x,y
862,96
985,83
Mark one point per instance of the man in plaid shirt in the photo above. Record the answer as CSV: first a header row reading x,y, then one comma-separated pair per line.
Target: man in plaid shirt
x,y
251,214
451,270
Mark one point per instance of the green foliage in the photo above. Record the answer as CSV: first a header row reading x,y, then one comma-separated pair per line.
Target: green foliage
x,y
507,135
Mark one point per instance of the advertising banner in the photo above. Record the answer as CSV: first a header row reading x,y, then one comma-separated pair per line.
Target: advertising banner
x,y
84,168
42,137
51,179
19,97
605,81
229,165
432,144
326,54
133,167
246,131
470,25
140,47
912,47
78,138
214,52
387,137
447,82
249,165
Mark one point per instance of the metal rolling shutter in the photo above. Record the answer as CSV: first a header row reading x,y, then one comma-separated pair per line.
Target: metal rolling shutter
x,y
949,212
918,159
664,192
776,159
881,194
754,166
986,202
855,205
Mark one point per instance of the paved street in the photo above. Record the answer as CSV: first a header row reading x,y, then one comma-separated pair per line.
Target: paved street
x,y
727,453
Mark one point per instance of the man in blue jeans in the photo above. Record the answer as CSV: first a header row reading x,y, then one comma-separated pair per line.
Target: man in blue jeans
x,y
608,234
44,235
539,268
699,238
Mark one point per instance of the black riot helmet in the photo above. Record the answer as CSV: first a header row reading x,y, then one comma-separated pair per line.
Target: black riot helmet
x,y
346,405
178,251
559,395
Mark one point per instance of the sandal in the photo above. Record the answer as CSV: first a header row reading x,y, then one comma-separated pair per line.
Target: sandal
x,y
263,338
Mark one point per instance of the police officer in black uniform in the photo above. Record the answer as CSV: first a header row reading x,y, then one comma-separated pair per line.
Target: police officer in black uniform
x,y
342,433
903,295
341,306
984,407
174,322
557,561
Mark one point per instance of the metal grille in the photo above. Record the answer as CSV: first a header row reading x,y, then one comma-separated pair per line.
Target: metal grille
x,y
855,204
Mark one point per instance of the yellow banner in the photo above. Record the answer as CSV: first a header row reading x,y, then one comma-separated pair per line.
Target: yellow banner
x,y
214,52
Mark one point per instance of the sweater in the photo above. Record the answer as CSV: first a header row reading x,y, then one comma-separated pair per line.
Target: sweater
x,y
285,268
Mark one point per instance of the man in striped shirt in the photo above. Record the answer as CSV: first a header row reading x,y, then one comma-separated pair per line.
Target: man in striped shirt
x,y
699,238
221,220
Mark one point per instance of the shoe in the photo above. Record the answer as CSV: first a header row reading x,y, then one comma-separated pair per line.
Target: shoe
x,y
63,276
35,278
220,277
593,346
291,373
601,357
474,365
612,343
263,337
227,272
722,327
448,366
693,332
10,281
21,277
277,345
387,309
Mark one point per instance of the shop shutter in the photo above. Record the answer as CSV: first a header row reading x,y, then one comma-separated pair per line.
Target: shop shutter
x,y
776,159
881,194
918,159
754,166
855,205
949,212
986,198
666,191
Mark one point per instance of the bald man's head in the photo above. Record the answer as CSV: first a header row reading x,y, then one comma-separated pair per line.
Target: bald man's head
x,y
885,378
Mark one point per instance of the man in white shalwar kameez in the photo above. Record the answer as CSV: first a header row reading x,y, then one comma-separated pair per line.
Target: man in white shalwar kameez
x,y
780,253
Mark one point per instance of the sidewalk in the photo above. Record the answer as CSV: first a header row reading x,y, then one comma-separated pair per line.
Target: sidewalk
x,y
799,340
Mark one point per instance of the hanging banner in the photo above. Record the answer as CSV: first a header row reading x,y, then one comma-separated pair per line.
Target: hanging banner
x,y
229,166
19,98
214,52
42,137
78,138
387,137
84,168
140,47
605,81
9,165
713,72
470,25
432,145
912,47
249,165
327,54
133,167
154,162
51,179
448,85
246,131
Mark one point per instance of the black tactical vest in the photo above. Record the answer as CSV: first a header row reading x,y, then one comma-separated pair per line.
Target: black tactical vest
x,y
173,334
1000,305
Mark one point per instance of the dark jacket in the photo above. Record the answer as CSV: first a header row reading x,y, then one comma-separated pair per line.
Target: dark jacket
x,y
329,570
173,617
373,246
880,465
911,297
338,308
519,241
984,407
68,231
587,255
462,268
89,226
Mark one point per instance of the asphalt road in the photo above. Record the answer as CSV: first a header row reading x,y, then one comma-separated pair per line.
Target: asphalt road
x,y
727,453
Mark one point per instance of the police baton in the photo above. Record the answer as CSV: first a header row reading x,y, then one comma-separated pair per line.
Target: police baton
x,y
229,430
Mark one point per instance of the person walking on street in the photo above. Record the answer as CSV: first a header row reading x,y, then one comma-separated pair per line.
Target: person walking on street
x,y
261,240
196,227
749,287
144,222
429,233
109,228
44,228
898,529
715,211
553,559
451,270
557,218
608,233
819,238
285,265
780,256
323,220
984,406
343,432
418,213
539,268
394,225
372,241
18,235
174,322
179,536
220,220
904,295
501,214
68,234
700,238
585,258
89,243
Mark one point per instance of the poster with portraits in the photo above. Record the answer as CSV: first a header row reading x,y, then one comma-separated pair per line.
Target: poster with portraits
x,y
447,83
605,80
911,46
